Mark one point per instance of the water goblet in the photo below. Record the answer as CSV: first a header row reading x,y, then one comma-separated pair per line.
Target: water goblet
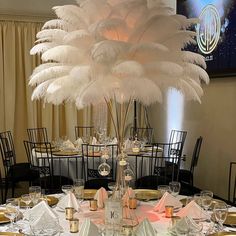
x,y
163,189
174,188
206,199
11,212
220,212
35,194
26,199
79,188
67,188
111,185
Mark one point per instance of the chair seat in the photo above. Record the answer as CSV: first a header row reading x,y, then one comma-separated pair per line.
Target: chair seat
x,y
22,172
185,176
97,183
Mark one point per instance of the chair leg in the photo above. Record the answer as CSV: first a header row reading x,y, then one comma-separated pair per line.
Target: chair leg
x,y
13,189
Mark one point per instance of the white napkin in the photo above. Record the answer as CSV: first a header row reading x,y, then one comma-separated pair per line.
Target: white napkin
x,y
128,194
101,196
128,144
78,143
167,200
184,225
94,141
145,229
43,219
193,210
39,210
88,228
69,201
68,145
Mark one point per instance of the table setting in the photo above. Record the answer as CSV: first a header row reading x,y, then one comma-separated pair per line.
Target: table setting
x,y
83,212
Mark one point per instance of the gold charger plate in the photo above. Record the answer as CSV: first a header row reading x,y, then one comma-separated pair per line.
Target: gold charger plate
x,y
223,233
231,219
89,193
11,234
3,218
51,202
147,194
65,153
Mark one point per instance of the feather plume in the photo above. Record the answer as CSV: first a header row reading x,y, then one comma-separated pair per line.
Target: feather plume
x,y
41,90
58,24
194,58
42,47
63,53
53,34
49,73
43,66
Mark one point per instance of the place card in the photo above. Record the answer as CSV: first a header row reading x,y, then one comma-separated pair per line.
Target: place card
x,y
113,212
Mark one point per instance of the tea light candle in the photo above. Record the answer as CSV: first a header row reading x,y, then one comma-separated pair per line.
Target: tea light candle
x,y
74,225
93,206
69,213
123,162
132,203
136,149
128,177
104,172
169,211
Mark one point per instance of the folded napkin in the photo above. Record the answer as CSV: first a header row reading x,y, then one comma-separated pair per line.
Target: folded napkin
x,y
88,228
78,142
145,229
185,225
193,210
94,141
167,200
101,196
68,145
69,201
128,194
43,220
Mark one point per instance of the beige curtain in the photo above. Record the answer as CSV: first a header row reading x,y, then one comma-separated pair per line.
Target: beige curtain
x,y
18,112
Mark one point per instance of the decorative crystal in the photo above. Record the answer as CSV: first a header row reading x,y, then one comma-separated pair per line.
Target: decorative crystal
x,y
128,173
104,169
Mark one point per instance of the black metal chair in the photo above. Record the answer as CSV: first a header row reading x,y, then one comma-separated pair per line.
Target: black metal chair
x,y
14,172
37,135
42,160
92,155
142,133
84,131
163,165
186,176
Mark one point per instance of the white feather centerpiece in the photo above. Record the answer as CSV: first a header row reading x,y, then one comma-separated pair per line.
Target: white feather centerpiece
x,y
116,50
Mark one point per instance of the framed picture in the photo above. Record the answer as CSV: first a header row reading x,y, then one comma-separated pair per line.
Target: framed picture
x,y
216,33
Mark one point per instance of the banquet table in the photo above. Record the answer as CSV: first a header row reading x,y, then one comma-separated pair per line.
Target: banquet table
x,y
144,210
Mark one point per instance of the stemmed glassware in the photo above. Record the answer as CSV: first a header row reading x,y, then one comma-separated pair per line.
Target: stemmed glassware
x,y
163,189
66,188
11,212
79,188
26,199
174,188
35,194
220,212
206,199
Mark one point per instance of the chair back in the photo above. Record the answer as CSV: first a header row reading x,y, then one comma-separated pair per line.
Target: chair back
x,y
178,136
142,133
196,153
7,150
92,156
232,183
163,162
37,135
84,131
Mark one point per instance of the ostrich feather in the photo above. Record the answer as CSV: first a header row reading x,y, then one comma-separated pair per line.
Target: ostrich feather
x,y
184,22
71,14
196,86
58,24
42,47
128,69
49,73
194,58
53,34
81,73
41,90
164,67
63,53
195,71
108,51
43,66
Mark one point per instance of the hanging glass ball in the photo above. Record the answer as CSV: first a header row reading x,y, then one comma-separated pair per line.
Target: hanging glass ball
x,y
128,173
122,157
104,169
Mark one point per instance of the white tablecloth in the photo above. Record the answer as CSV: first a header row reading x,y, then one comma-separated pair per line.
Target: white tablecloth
x,y
144,210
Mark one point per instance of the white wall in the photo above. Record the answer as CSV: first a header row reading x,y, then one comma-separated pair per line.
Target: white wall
x,y
215,120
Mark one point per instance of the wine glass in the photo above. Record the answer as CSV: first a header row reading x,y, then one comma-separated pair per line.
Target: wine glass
x,y
206,199
163,189
11,212
220,212
112,185
67,188
35,194
174,188
79,188
26,199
